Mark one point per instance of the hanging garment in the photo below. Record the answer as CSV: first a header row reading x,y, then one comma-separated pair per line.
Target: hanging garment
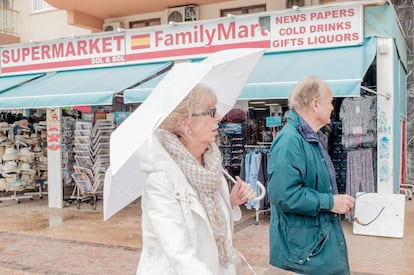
x,y
358,117
360,173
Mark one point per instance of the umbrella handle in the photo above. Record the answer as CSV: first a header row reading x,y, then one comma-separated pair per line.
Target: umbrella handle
x,y
259,184
262,191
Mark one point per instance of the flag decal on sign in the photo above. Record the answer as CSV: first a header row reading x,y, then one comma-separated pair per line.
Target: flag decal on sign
x,y
141,41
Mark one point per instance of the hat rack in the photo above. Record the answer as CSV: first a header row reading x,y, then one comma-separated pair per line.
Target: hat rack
x,y
22,154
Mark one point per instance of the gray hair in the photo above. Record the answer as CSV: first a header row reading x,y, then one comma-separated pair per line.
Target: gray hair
x,y
304,92
200,97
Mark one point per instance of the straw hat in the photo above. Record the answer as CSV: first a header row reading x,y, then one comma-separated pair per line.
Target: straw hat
x,y
42,164
34,137
25,155
42,125
2,150
27,178
15,183
10,154
4,140
24,151
4,126
24,123
10,167
2,137
3,184
26,169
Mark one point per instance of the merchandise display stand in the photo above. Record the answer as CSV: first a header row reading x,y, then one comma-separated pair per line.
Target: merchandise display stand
x,y
101,133
83,159
22,145
263,148
84,190
231,143
91,154
14,187
40,183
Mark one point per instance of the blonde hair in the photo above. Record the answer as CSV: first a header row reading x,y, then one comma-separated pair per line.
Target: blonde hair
x,y
200,97
304,92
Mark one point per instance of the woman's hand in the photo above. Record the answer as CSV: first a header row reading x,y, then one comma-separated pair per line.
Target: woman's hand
x,y
241,192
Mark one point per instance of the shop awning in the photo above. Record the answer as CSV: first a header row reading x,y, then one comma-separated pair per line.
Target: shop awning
x,y
342,68
78,87
141,92
8,82
276,74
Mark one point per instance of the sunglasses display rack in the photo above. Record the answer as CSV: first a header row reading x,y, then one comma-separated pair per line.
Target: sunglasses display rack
x,y
231,142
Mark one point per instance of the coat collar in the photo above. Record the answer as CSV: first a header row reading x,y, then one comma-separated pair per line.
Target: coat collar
x,y
302,127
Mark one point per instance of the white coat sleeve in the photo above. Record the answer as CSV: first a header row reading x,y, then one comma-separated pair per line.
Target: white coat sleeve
x,y
166,217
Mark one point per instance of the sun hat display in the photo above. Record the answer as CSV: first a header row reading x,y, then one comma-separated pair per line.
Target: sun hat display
x,y
10,154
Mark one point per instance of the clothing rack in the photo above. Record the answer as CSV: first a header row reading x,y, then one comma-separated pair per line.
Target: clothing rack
x,y
265,145
387,95
259,209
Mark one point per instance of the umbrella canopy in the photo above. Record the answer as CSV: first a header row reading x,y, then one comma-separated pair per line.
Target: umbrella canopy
x,y
226,72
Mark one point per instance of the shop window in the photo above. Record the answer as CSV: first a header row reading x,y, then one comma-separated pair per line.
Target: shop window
x,y
292,3
243,10
41,5
6,4
145,23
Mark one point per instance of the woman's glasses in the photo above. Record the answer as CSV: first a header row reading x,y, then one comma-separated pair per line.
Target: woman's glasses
x,y
212,112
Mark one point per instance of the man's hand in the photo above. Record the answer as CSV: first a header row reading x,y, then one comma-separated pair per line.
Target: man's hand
x,y
342,203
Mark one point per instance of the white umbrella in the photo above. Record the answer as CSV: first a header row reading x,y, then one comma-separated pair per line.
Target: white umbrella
x,y
226,72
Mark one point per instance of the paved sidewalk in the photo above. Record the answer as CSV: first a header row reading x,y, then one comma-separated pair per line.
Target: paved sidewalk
x,y
35,239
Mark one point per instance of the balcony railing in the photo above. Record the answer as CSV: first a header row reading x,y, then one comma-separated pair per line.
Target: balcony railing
x,y
8,22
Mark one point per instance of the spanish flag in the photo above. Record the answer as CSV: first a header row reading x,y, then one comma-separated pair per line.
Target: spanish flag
x,y
140,41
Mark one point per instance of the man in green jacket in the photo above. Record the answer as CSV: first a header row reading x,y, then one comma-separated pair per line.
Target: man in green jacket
x,y
305,229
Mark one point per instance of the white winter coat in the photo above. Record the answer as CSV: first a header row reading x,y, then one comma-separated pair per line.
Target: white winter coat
x,y
177,236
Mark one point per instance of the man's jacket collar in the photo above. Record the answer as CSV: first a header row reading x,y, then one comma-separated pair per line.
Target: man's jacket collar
x,y
302,127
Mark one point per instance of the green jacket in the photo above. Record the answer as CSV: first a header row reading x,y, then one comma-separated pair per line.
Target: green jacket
x,y
304,236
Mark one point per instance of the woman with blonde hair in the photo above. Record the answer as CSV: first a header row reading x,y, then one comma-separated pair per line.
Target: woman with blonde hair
x,y
187,209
